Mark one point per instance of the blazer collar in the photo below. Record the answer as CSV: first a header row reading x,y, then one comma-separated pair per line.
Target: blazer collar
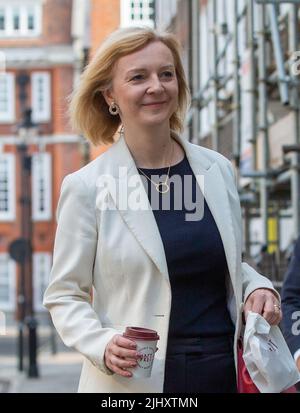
x,y
122,157
142,223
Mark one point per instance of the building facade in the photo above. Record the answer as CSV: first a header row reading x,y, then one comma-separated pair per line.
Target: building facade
x,y
44,46
39,63
239,57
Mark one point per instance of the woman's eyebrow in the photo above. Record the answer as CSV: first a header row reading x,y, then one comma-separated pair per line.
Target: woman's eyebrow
x,y
142,69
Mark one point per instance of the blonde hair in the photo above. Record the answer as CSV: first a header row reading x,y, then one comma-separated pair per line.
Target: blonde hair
x,y
88,109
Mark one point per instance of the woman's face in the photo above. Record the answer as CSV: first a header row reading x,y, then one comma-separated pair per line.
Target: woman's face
x,y
145,86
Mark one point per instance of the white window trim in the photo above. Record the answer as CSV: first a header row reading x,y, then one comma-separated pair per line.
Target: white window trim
x,y
37,282
10,215
45,114
24,31
10,115
46,164
11,304
38,21
126,20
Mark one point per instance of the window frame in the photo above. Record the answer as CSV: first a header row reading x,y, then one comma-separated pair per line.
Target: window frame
x,y
43,115
126,12
10,305
46,163
10,215
10,115
23,31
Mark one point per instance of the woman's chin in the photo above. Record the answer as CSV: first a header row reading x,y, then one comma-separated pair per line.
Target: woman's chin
x,y
155,121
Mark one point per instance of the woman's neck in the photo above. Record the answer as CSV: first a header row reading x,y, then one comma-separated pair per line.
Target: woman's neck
x,y
150,148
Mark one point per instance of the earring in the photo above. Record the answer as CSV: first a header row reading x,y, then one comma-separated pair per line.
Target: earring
x,y
113,109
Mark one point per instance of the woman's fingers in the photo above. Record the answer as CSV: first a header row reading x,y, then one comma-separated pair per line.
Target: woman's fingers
x,y
273,315
265,303
117,369
124,348
258,305
269,312
255,303
121,363
120,354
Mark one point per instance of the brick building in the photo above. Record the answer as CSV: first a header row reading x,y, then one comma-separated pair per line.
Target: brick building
x,y
36,40
107,16
46,44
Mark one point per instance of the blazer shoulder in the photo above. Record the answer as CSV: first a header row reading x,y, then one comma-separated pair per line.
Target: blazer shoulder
x,y
89,173
214,156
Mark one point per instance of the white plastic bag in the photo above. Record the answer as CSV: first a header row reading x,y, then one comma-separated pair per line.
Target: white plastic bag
x,y
267,356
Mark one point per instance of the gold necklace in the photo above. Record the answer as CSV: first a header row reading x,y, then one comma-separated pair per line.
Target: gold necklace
x,y
161,187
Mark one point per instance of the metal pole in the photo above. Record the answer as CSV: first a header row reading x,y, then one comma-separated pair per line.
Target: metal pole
x,y
22,82
215,126
295,179
21,298
26,223
252,91
263,119
31,322
283,87
237,90
195,36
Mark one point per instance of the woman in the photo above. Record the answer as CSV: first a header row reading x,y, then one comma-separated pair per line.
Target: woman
x,y
161,268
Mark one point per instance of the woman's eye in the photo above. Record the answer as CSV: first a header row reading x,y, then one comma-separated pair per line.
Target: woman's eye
x,y
168,74
137,77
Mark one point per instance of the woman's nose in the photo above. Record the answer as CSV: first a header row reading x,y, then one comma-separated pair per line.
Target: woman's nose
x,y
155,85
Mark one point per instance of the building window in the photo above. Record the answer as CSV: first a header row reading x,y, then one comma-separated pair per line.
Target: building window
x,y
2,20
20,20
31,19
7,283
16,19
7,98
41,97
41,272
7,187
41,187
137,12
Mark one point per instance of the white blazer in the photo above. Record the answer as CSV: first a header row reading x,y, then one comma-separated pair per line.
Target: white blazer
x,y
119,255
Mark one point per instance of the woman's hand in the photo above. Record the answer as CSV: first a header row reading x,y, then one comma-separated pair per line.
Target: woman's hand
x,y
265,303
117,349
298,363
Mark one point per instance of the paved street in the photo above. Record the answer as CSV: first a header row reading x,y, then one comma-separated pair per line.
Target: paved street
x,y
58,373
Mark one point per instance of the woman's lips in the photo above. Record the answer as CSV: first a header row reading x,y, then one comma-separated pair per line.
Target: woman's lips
x,y
154,104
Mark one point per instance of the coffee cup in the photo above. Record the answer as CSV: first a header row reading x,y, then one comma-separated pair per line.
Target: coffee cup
x,y
146,341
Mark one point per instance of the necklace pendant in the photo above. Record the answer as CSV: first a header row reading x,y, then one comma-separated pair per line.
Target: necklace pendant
x,y
162,187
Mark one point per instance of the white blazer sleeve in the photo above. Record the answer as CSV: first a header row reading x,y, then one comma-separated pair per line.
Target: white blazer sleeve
x,y
251,279
68,295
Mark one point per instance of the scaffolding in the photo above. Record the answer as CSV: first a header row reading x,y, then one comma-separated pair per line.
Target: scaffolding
x,y
272,40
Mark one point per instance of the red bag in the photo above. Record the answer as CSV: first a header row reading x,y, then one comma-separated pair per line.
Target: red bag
x,y
244,381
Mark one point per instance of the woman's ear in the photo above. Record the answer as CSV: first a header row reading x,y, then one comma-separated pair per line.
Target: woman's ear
x,y
107,94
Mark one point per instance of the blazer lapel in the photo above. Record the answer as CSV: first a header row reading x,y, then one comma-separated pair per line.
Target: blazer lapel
x,y
142,222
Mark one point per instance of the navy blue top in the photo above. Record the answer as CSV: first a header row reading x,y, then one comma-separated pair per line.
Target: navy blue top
x,y
195,255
